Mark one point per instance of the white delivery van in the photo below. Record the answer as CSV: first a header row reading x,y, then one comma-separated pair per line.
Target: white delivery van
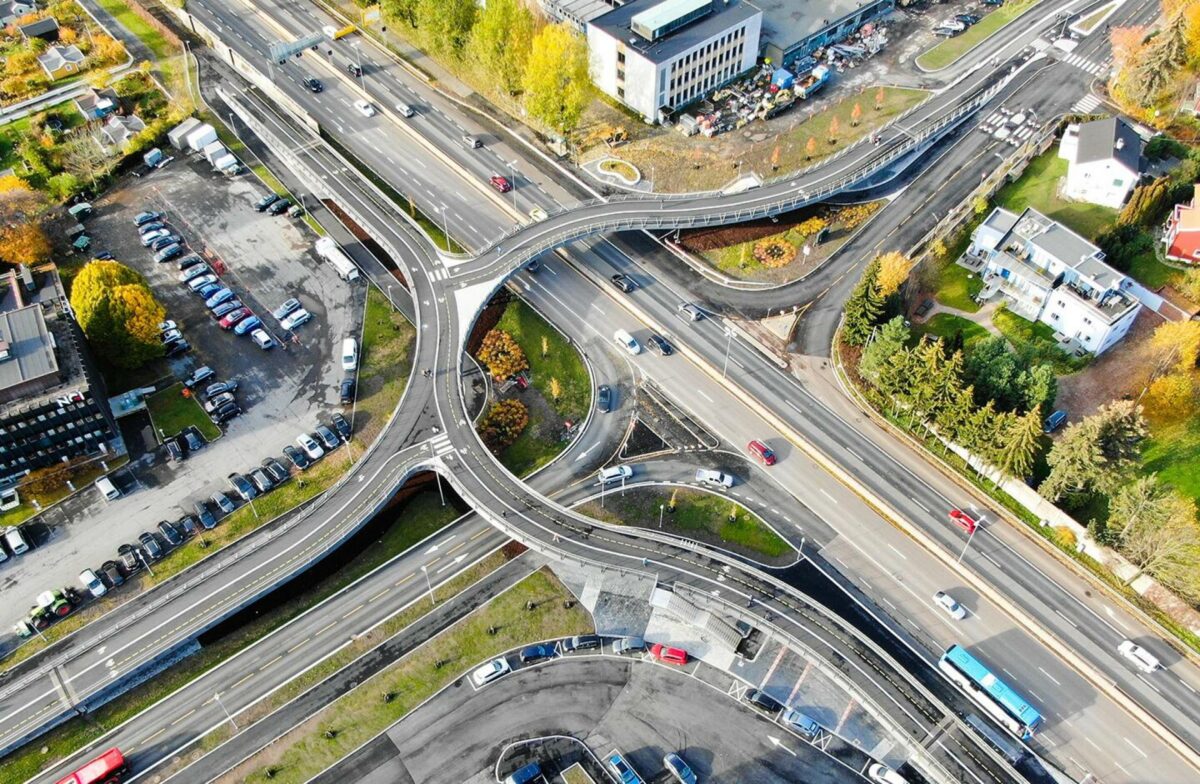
x,y
110,491
626,341
349,354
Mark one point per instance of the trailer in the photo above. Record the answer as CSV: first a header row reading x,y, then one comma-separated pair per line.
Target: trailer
x,y
201,136
177,136
214,151
809,85
329,251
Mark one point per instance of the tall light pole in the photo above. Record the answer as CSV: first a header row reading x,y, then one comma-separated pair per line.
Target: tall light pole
x,y
728,347
428,582
228,715
445,227
661,508
362,73
970,536
512,170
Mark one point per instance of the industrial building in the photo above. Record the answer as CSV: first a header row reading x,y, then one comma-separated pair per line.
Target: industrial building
x,y
52,401
657,55
793,29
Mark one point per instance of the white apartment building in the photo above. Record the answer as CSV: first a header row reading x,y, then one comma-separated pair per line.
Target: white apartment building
x,y
662,54
1048,273
1104,161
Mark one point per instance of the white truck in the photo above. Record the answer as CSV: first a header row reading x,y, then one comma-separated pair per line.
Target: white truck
x,y
329,251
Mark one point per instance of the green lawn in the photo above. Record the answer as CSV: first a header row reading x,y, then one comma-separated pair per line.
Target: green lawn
x,y
1037,187
152,38
417,518
951,49
388,341
1151,272
946,325
359,715
171,413
698,515
958,287
1173,452
1035,343
84,478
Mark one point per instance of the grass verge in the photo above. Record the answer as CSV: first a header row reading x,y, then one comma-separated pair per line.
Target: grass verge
x,y
388,342
1173,452
1035,342
708,517
951,49
359,715
153,39
173,413
947,325
958,287
419,517
1037,187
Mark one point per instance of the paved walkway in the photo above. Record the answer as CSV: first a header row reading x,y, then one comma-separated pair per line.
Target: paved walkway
x,y
982,317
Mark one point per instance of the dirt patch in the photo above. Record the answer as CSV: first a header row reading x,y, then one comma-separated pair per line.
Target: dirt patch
x,y
1120,373
641,441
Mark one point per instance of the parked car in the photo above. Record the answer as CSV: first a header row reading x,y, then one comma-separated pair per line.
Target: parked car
x,y
490,672
198,282
629,645
208,289
174,348
763,701
296,457
174,452
346,391
328,438
190,260
247,324
679,769
242,486
173,537
142,218
262,481
216,401
205,515
225,308
130,558
223,503
230,319
170,336
166,326
261,339
168,253
220,297
151,547
532,653
146,228
623,282
152,235
220,388
162,242
669,655
187,526
582,642
295,319
287,307
111,571
882,774
279,207
310,446
226,413
275,470
603,399
341,426
266,201
196,270
193,440
92,583
801,723
199,375
659,345
947,603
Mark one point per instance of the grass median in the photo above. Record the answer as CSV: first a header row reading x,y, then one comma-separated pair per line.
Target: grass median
x,y
951,49
420,516
708,517
360,714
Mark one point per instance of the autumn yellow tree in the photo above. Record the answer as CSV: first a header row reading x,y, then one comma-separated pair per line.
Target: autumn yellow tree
x,y
1171,398
812,226
834,129
501,355
1176,346
810,148
22,240
855,115
118,313
894,267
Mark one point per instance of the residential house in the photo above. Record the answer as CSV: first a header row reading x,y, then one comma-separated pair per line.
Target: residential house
x,y
62,61
1104,160
119,129
1048,273
12,10
97,104
1182,237
46,29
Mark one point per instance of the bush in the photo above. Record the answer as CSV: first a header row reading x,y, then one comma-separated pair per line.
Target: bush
x,y
774,252
501,355
503,424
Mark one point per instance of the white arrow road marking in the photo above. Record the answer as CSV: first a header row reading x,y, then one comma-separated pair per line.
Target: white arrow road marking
x,y
777,742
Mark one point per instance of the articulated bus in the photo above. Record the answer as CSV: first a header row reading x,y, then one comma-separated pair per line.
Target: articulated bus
x,y
992,694
108,768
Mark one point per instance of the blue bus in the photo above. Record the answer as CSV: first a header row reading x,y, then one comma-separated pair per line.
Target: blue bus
x,y
992,694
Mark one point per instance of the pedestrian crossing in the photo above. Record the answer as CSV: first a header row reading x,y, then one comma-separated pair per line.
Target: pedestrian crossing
x,y
440,445
1086,65
441,273
1086,105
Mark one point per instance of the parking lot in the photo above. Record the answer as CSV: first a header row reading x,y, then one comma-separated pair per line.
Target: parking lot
x,y
282,391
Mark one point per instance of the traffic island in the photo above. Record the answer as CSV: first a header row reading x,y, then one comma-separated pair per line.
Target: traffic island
x,y
694,514
952,49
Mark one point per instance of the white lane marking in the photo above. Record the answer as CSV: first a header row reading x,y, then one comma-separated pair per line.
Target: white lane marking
x,y
1051,677
827,495
897,552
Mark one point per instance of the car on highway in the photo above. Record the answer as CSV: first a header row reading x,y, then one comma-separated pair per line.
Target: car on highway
x,y
92,583
628,645
963,520
205,515
287,307
364,108
668,654
659,345
490,672
678,768
538,215
223,503
404,110
500,183
313,84
296,457
128,553
230,319
295,319
882,774
151,547
761,452
265,201
763,701
532,653
310,446
1140,657
627,342
245,325
800,722
603,399
623,282
947,603
341,425
241,485
169,532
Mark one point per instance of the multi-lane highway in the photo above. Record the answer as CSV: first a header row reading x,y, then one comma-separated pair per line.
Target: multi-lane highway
x,y
477,474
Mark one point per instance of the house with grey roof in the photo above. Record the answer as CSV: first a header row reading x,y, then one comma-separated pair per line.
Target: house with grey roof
x,y
1104,161
12,10
1045,272
45,28
97,104
118,129
60,62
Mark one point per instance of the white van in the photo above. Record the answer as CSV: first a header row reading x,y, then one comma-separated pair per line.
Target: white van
x,y
349,354
626,341
615,474
110,491
16,541
1140,657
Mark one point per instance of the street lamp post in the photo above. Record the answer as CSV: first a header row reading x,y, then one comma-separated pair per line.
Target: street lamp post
x,y
445,227
512,170
661,508
228,715
429,583
145,561
362,73
728,347
970,536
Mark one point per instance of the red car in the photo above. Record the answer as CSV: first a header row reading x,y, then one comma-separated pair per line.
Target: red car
x,y
500,183
669,655
233,317
963,520
761,451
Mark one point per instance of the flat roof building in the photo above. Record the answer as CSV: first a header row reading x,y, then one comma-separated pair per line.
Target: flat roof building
x,y
795,28
654,55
